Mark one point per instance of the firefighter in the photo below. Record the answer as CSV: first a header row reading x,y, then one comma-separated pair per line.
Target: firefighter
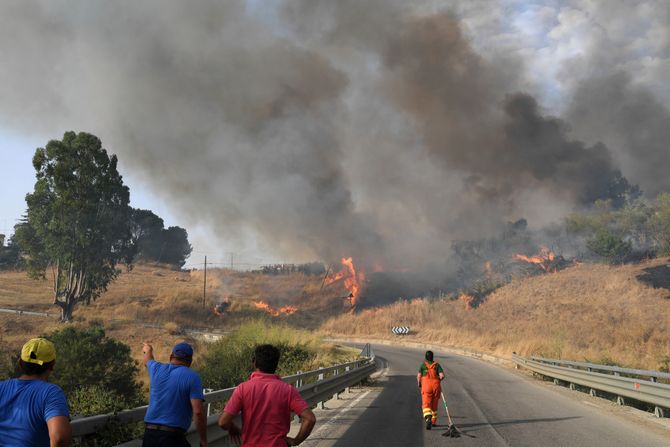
x,y
429,377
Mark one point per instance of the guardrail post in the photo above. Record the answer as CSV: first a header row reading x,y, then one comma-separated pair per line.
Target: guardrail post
x,y
653,379
321,404
204,391
573,387
346,370
557,382
337,372
659,412
620,400
593,393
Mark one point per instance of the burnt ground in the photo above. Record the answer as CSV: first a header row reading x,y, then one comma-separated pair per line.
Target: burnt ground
x,y
658,277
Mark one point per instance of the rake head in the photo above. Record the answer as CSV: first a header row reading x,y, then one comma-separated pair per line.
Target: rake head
x,y
452,432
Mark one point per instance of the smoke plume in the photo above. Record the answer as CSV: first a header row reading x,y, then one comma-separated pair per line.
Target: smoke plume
x,y
327,129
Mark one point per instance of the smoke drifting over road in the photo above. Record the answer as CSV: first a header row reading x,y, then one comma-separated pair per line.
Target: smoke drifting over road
x,y
328,129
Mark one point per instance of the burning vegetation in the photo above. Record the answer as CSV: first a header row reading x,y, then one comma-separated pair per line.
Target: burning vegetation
x,y
285,310
545,259
353,281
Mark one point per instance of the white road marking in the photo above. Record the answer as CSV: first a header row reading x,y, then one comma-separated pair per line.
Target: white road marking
x,y
331,421
481,414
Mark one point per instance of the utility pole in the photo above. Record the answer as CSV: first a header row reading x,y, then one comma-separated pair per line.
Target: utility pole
x,y
204,287
231,260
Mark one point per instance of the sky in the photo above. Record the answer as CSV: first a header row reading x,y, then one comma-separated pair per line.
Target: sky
x,y
286,131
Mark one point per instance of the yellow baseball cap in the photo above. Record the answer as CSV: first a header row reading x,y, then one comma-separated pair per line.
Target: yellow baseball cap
x,y
38,350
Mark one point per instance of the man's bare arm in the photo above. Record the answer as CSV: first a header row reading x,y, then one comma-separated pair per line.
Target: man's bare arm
x,y
226,422
307,422
147,352
200,420
60,433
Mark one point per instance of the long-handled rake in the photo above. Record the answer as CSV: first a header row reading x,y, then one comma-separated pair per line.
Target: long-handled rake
x,y
452,431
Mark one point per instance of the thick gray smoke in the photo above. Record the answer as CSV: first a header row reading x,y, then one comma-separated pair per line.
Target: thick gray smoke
x,y
324,129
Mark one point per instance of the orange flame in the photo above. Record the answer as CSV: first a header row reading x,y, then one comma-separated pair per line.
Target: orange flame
x,y
286,310
469,300
352,280
543,259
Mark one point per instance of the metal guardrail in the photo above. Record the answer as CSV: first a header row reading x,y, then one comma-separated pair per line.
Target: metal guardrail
x,y
616,370
641,385
27,312
315,386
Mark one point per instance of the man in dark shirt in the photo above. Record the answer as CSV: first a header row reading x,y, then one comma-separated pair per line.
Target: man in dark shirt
x,y
175,398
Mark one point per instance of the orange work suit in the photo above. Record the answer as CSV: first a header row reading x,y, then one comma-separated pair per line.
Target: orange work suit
x,y
430,391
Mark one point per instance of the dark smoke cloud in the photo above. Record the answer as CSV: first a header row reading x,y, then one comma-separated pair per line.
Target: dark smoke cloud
x,y
632,122
455,97
323,129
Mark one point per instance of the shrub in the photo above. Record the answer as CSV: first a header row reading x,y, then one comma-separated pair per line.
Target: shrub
x,y
173,328
609,246
97,374
86,357
228,361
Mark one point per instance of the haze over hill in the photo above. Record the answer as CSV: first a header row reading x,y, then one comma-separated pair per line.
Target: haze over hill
x,y
380,130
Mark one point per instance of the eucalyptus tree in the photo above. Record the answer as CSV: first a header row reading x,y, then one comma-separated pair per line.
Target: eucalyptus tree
x,y
77,227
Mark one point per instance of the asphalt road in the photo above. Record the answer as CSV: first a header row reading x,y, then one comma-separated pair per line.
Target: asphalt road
x,y
491,405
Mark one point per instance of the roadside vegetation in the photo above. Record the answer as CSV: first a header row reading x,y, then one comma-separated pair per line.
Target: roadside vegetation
x,y
227,362
640,229
588,312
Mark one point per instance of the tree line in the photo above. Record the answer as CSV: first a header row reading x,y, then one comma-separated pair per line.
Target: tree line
x,y
637,230
79,228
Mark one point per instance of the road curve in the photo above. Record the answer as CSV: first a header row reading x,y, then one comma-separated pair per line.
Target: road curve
x,y
491,405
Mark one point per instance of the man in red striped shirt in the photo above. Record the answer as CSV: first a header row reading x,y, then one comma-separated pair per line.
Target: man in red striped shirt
x,y
266,403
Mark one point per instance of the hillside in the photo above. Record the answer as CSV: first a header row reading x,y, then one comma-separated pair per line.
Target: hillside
x,y
151,295
590,311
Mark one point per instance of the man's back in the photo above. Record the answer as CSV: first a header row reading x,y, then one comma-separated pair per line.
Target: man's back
x,y
25,406
266,403
171,389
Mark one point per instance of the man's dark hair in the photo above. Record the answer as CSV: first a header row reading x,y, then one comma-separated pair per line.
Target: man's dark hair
x,y
33,369
429,356
266,358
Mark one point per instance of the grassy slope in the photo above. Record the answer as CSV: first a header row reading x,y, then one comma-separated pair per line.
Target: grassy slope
x,y
156,294
593,312
588,311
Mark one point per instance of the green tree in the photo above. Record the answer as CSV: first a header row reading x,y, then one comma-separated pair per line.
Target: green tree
x,y
659,224
146,229
77,223
175,246
152,242
10,256
609,246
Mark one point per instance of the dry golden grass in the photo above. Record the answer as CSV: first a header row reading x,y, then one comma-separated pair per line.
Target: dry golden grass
x,y
172,299
593,312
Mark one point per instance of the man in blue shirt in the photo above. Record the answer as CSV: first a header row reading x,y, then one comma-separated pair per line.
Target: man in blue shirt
x,y
34,412
175,398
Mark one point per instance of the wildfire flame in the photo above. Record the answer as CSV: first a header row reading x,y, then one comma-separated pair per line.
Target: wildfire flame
x,y
352,280
544,259
469,300
287,310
